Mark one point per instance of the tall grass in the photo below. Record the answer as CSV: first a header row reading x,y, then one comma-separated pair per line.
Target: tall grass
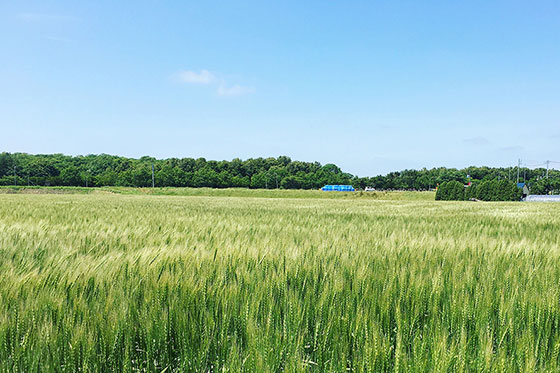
x,y
117,283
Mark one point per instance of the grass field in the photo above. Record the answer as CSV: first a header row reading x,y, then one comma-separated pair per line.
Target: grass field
x,y
226,192
111,282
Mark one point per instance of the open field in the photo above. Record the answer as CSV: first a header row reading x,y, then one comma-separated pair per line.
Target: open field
x,y
111,282
226,192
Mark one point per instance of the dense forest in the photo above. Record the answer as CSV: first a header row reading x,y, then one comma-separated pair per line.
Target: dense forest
x,y
487,190
280,172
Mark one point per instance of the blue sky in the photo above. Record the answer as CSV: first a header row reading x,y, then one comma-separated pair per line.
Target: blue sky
x,y
372,86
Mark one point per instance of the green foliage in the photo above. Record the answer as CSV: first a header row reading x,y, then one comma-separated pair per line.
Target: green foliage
x,y
292,182
450,191
113,283
487,190
546,186
471,190
106,170
259,173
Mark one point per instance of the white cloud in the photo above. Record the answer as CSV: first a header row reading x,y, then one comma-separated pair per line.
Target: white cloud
x,y
207,78
192,77
234,90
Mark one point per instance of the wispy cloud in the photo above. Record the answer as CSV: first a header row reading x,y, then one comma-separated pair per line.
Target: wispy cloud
x,y
234,90
205,77
47,17
58,39
513,148
193,77
478,140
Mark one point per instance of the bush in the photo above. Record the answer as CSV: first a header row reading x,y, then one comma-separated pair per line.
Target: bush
x,y
487,190
450,191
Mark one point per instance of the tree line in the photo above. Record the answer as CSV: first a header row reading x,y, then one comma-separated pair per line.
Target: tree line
x,y
487,190
271,173
108,170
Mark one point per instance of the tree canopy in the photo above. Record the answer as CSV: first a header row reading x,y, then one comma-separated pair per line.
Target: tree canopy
x,y
487,190
270,173
108,170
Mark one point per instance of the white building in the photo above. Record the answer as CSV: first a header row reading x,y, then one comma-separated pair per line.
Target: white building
x,y
542,198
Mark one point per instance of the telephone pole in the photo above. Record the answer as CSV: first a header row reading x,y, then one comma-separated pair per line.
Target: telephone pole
x,y
153,178
15,176
518,165
547,164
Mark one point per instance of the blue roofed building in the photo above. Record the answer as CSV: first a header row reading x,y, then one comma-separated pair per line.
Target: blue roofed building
x,y
525,188
338,188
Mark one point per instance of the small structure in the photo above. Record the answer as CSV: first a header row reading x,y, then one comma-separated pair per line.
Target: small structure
x,y
338,188
525,188
543,198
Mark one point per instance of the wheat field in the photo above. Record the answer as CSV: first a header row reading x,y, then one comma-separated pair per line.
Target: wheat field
x,y
144,283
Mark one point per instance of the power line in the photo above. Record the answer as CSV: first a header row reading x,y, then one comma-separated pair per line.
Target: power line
x,y
533,165
536,164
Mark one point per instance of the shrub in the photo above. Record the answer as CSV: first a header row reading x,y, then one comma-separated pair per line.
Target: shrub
x,y
487,190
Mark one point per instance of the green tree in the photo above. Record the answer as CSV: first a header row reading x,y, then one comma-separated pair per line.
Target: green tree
x,y
291,182
71,176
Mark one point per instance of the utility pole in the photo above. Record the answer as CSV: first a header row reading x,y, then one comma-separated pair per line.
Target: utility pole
x,y
518,165
547,164
153,178
15,176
